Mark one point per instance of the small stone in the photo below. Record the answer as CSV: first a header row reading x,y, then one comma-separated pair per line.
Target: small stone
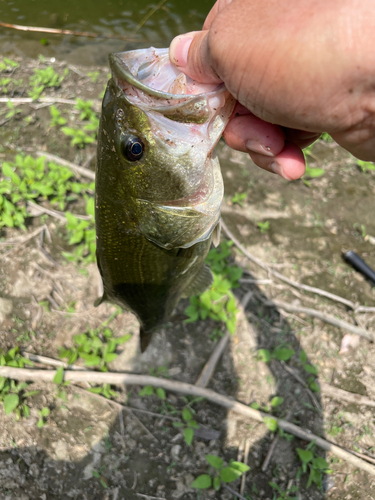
x,y
175,451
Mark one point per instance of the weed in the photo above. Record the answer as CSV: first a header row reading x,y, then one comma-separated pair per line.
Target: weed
x,y
79,136
283,495
13,111
317,465
82,233
56,118
59,380
8,64
218,303
326,137
31,179
189,424
43,414
98,475
4,82
13,394
313,172
264,226
365,166
238,199
93,75
361,228
219,473
280,353
43,78
96,347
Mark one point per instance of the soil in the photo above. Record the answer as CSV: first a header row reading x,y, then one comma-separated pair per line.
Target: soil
x,y
135,455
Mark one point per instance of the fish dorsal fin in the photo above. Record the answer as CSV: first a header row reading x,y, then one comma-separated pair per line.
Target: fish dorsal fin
x,y
200,282
172,226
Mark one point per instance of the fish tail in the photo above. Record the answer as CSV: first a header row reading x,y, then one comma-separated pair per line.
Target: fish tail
x,y
145,338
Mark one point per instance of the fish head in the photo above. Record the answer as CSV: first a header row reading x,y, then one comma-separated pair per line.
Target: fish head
x,y
156,146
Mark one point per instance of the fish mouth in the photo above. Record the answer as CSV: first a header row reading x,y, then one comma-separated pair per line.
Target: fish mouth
x,y
149,79
133,67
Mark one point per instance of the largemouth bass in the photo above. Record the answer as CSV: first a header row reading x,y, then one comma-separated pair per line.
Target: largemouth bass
x,y
158,184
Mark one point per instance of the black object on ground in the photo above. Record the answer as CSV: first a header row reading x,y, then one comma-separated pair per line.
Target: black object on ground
x,y
360,265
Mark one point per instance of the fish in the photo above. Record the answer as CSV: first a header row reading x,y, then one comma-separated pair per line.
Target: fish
x,y
159,186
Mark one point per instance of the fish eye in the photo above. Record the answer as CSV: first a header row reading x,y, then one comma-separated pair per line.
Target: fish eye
x,y
132,148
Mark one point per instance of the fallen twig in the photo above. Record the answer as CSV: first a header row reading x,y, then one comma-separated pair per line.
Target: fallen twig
x,y
245,460
85,172
235,493
336,393
184,388
56,213
44,360
281,277
54,31
303,383
274,444
24,239
210,366
324,317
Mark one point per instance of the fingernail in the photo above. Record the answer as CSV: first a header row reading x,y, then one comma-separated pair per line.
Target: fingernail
x,y
256,147
278,169
179,49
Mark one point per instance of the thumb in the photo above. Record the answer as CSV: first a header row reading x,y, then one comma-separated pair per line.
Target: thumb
x,y
191,54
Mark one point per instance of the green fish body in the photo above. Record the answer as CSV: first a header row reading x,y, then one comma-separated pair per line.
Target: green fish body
x,y
158,185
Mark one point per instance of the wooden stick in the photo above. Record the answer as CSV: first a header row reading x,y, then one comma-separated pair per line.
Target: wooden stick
x,y
281,277
50,361
336,393
85,172
188,389
56,213
245,460
54,31
210,366
303,383
324,317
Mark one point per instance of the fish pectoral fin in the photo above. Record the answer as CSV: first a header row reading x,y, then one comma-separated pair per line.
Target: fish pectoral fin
x,y
200,283
216,235
174,227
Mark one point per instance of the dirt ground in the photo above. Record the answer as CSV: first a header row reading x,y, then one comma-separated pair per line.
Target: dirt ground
x,y
137,455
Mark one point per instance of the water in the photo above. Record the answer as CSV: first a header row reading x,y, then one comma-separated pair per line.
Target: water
x,y
111,17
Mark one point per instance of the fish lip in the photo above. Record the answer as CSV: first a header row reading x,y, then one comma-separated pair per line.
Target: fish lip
x,y
121,71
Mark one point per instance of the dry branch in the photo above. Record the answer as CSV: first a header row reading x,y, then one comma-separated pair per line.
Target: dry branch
x,y
85,172
54,31
327,318
188,389
281,277
350,397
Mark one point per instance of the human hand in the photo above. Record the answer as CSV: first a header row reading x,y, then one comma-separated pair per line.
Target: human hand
x,y
296,69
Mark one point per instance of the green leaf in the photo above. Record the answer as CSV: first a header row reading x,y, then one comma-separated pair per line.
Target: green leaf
x,y
186,414
148,390
305,455
44,412
90,207
314,172
310,369
271,423
123,339
177,424
276,401
217,483
320,463
188,435
240,466
264,355
202,482
7,219
215,461
91,359
26,410
283,353
227,475
303,357
160,392
109,357
10,403
41,423
59,377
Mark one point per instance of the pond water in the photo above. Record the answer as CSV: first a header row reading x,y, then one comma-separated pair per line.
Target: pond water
x,y
112,17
